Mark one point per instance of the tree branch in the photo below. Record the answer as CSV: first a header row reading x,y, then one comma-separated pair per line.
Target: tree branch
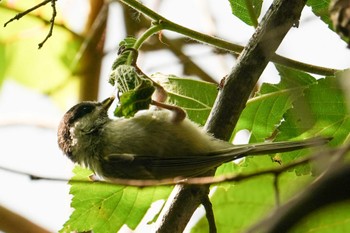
x,y
231,100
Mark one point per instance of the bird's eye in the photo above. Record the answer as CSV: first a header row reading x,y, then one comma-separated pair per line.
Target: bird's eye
x,y
87,109
81,110
84,109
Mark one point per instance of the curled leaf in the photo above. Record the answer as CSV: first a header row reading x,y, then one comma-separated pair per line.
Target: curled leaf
x,y
136,90
123,56
135,100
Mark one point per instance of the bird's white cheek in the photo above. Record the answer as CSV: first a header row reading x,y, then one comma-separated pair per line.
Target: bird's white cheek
x,y
73,136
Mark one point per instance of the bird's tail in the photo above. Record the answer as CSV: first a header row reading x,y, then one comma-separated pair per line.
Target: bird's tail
x,y
285,146
239,151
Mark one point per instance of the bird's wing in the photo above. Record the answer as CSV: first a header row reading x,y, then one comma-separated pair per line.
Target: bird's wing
x,y
155,167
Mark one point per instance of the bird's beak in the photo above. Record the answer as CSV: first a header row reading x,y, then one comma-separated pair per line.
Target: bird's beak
x,y
107,102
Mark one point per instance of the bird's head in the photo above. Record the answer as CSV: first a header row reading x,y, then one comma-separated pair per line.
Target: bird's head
x,y
85,118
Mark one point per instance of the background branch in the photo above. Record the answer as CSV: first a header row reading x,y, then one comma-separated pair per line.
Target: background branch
x,y
223,44
91,51
11,222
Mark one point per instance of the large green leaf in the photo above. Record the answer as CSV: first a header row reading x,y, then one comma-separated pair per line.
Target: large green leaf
x,y
265,111
194,96
321,110
246,10
105,208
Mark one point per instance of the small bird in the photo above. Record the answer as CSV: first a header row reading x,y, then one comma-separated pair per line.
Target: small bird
x,y
150,145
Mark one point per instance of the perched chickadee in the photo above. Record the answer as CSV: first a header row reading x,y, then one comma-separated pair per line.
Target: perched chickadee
x,y
150,145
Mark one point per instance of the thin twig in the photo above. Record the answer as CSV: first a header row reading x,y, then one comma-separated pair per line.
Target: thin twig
x,y
45,21
52,20
276,189
20,15
52,23
209,214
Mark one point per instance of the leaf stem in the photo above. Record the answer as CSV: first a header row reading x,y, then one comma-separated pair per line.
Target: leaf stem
x,y
220,43
148,33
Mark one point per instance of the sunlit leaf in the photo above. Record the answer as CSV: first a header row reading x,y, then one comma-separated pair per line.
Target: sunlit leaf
x,y
105,208
265,111
194,96
320,111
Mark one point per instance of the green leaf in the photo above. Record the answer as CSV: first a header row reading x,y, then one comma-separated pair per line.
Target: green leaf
x,y
194,96
127,43
105,208
265,111
320,111
133,101
246,10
